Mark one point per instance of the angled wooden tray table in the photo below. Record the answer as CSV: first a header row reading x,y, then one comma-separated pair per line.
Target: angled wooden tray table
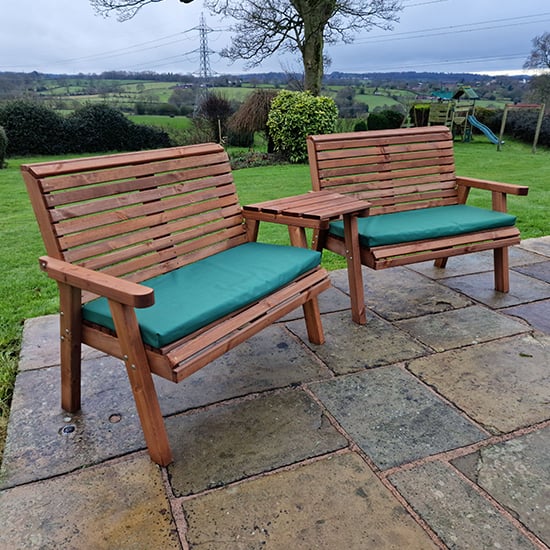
x,y
315,210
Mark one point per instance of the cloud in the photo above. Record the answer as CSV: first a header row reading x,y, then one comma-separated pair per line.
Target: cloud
x,y
66,36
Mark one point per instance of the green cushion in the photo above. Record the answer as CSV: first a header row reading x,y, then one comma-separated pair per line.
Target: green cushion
x,y
426,223
197,294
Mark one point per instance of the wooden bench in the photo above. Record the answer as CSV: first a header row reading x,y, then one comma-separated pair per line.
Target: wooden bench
x,y
155,266
418,209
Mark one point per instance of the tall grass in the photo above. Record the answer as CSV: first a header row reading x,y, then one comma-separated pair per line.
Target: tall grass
x,y
26,292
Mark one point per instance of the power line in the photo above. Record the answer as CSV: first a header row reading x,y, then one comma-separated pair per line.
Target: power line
x,y
465,27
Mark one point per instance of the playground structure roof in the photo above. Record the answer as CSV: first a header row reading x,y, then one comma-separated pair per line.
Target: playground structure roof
x,y
463,92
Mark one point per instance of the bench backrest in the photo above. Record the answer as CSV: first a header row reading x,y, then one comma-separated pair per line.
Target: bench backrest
x,y
137,215
395,170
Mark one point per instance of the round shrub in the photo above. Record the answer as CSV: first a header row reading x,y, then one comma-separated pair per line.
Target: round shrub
x,y
32,129
383,120
295,115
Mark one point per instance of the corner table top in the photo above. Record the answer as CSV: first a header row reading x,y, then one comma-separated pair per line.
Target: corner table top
x,y
307,210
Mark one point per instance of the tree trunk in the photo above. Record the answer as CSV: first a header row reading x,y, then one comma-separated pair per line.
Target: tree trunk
x,y
315,14
312,56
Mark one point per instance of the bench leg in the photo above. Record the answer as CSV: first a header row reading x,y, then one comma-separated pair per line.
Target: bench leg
x,y
141,380
355,277
502,269
70,326
314,326
441,262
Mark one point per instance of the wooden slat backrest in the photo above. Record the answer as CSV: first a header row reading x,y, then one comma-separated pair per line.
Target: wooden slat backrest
x,y
395,170
137,215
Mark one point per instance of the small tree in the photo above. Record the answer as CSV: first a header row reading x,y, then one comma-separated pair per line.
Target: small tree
x,y
216,110
253,114
539,58
294,116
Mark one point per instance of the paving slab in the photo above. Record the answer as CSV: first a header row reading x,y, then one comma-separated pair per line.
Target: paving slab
x,y
120,504
400,293
475,263
274,358
332,503
461,327
332,299
457,513
480,286
350,347
503,385
516,474
539,271
393,417
43,440
40,344
540,245
221,445
537,314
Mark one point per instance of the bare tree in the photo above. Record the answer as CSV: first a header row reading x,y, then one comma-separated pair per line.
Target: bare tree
x,y
539,58
305,26
265,27
126,9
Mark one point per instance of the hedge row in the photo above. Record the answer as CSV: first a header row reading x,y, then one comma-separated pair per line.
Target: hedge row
x,y
34,129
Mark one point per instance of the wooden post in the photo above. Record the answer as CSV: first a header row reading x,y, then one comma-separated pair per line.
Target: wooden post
x,y
539,125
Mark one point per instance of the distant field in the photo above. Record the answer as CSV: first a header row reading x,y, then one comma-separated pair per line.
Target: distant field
x,y
126,93
168,122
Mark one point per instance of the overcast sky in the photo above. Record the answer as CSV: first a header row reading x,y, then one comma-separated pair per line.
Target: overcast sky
x,y
66,36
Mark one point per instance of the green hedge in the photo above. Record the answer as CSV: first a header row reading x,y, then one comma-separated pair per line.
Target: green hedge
x,y
34,129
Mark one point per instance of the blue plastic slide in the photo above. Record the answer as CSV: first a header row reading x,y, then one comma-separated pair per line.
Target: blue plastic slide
x,y
486,130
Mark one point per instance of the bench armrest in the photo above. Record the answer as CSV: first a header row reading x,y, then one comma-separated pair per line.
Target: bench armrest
x,y
102,284
493,186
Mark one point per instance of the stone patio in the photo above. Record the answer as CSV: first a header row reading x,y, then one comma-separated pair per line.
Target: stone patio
x,y
427,428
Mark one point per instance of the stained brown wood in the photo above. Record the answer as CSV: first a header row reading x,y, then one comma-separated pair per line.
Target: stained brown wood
x,y
112,222
396,171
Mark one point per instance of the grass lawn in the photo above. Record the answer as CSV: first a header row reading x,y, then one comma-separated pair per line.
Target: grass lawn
x,y
26,292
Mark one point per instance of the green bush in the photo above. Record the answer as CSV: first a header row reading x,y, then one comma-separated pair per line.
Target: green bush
x,y
383,120
3,147
98,128
360,126
32,129
295,115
